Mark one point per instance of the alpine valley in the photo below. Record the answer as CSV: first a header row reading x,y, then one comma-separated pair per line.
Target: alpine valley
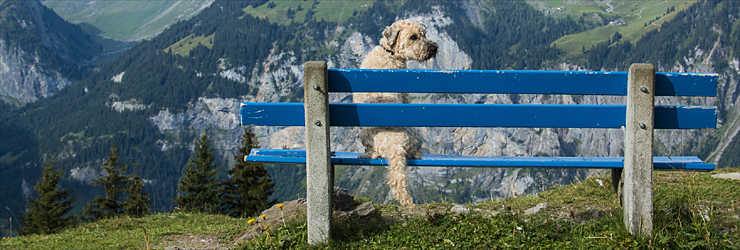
x,y
73,87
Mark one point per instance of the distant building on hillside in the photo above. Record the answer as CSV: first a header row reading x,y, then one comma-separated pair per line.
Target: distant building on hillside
x,y
618,22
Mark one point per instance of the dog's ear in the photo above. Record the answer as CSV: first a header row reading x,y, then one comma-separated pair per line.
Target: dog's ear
x,y
390,33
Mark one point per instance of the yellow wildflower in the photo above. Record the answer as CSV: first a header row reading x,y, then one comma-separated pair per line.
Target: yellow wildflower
x,y
262,216
250,221
280,205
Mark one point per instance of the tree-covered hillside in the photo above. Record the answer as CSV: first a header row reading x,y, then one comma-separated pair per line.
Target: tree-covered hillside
x,y
701,27
520,39
707,29
79,124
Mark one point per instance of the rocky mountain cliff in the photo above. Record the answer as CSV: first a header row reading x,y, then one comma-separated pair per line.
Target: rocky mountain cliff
x,y
24,81
40,53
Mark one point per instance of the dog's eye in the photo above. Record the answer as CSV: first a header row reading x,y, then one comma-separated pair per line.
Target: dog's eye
x,y
414,37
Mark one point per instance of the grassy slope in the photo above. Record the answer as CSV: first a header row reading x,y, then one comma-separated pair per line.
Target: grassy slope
x,y
184,46
331,11
691,210
125,20
635,13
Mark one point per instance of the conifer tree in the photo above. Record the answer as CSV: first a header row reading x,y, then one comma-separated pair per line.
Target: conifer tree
x,y
200,190
137,200
44,214
115,185
250,185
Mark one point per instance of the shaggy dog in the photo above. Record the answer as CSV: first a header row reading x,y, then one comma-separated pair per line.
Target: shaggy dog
x,y
403,40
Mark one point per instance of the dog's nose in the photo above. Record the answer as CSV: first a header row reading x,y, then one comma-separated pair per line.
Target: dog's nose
x,y
433,48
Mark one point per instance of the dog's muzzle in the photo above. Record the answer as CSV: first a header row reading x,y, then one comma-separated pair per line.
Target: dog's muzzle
x,y
431,50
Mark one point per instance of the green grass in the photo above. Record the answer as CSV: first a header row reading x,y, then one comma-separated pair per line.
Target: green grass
x,y
635,13
185,45
128,233
584,6
692,210
340,11
331,11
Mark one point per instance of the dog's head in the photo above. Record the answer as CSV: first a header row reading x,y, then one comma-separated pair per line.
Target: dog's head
x,y
408,40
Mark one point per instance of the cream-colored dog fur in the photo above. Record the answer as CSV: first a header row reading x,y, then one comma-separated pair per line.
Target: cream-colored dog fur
x,y
403,40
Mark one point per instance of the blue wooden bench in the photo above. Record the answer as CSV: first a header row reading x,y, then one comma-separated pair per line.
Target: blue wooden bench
x,y
639,117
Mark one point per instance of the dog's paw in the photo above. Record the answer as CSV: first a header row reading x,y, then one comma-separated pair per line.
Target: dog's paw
x,y
369,155
416,155
365,155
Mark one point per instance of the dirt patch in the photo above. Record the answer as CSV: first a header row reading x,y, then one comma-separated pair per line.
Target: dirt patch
x,y
193,241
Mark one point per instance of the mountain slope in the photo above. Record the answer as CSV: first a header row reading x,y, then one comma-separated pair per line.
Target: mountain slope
x,y
85,119
156,99
134,20
40,53
699,39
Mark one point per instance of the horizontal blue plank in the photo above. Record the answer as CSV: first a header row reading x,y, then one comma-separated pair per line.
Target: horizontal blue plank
x,y
513,82
477,115
282,156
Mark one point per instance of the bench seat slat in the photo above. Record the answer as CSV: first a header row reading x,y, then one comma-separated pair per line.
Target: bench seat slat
x,y
478,115
284,156
514,82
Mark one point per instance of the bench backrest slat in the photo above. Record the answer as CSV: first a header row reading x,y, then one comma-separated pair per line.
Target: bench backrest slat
x,y
478,115
514,82
287,156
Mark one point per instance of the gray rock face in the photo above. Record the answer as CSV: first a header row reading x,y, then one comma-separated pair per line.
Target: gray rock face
x,y
22,79
343,206
535,209
219,115
49,37
460,209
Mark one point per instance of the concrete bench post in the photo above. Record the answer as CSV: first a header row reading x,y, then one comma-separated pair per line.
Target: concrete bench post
x,y
319,171
637,203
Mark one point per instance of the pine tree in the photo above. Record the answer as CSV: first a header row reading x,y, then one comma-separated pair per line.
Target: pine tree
x,y
137,200
44,214
115,185
200,189
250,185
